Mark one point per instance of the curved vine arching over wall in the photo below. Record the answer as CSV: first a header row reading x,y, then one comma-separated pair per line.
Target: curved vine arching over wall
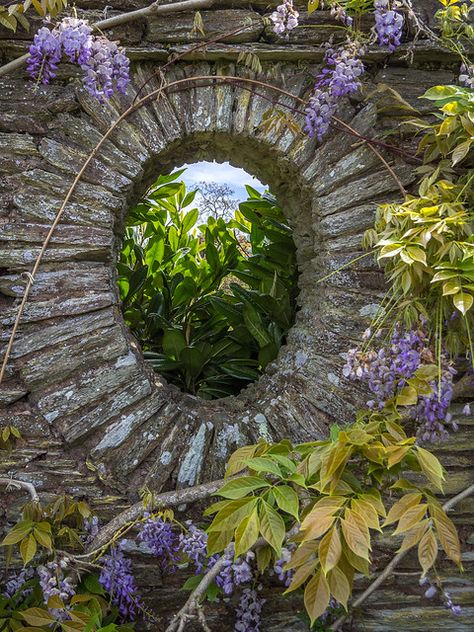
x,y
96,421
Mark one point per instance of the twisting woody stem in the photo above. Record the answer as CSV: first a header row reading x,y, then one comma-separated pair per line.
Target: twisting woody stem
x,y
155,94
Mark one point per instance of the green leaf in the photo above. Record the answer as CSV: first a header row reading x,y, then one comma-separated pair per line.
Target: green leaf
x,y
287,499
173,342
154,251
93,585
254,323
192,582
264,464
272,527
463,302
312,6
190,220
137,281
239,487
439,92
193,360
246,533
461,151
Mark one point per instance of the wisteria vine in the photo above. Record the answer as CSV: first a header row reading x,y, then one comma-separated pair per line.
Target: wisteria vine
x,y
106,66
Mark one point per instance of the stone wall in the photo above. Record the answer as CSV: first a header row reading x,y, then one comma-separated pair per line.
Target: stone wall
x,y
96,421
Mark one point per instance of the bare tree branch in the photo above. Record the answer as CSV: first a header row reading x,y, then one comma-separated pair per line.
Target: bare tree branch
x,y
191,606
166,499
29,487
388,570
156,8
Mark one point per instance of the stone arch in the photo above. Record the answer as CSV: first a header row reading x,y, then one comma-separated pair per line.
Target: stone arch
x,y
74,358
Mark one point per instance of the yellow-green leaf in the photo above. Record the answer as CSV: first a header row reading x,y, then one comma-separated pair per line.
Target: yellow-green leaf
x,y
367,511
316,596
330,549
236,462
430,467
287,499
43,538
413,536
427,551
400,507
18,532
301,574
312,5
37,616
339,586
318,527
246,533
411,518
232,513
28,548
463,302
264,556
407,396
461,151
242,486
272,526
447,534
218,540
355,538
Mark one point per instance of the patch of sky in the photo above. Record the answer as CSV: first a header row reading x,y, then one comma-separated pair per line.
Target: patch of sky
x,y
223,174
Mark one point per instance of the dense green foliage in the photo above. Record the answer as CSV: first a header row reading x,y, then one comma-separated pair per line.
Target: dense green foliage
x,y
426,241
45,533
210,304
331,495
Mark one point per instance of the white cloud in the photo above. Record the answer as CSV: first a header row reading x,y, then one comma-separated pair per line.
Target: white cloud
x,y
222,173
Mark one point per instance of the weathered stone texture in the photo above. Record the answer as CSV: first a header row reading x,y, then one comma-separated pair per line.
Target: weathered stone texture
x,y
77,386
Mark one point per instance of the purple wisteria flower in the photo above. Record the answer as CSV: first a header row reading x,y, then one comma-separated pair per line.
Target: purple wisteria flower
x,y
433,590
107,67
45,55
53,580
91,528
117,579
193,544
105,64
16,582
283,575
340,14
319,111
284,18
158,534
388,24
388,370
339,77
75,36
248,612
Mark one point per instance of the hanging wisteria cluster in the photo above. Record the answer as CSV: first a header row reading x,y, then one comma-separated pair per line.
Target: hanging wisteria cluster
x,y
386,372
285,18
342,65
117,578
105,65
388,24
172,549
340,77
434,589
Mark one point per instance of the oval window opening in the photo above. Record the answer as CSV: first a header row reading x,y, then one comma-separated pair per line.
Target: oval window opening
x,y
207,276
